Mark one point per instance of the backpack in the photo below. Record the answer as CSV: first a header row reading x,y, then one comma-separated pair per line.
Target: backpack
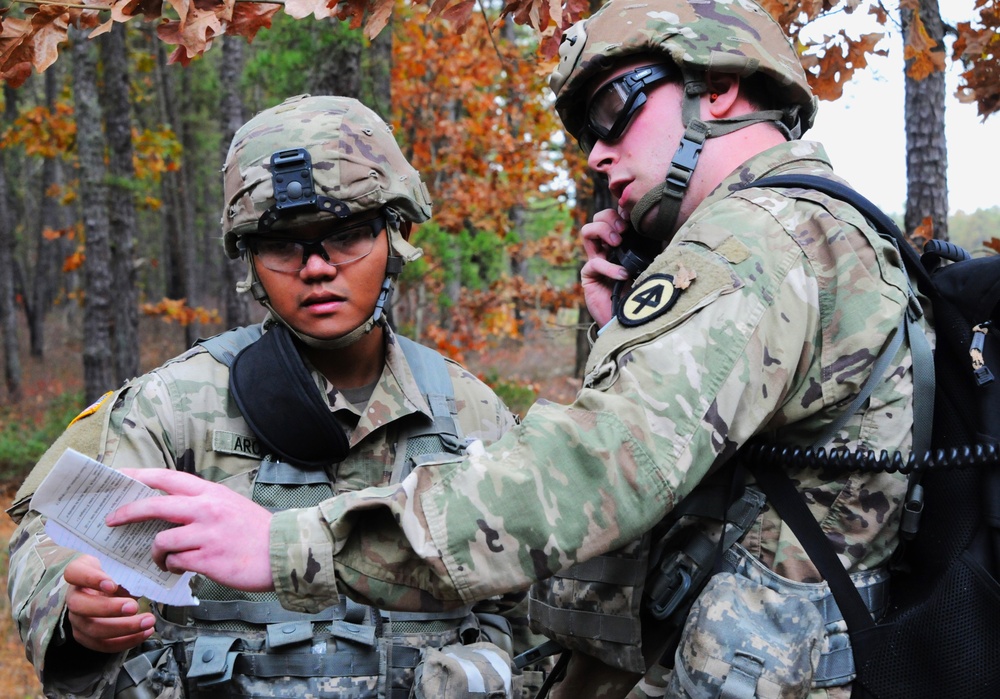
x,y
940,636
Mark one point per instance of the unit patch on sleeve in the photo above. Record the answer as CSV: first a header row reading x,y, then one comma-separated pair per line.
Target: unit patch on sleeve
x,y
656,295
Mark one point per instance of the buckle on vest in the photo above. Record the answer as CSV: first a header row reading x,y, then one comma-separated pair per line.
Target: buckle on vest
x,y
354,633
669,589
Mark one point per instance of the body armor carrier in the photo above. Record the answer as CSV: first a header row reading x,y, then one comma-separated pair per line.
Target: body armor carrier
x,y
245,644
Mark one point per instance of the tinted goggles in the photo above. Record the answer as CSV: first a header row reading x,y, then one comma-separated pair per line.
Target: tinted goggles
x,y
612,107
346,243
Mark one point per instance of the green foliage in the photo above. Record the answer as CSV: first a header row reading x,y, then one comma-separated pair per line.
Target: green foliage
x,y
543,217
24,439
479,258
518,396
284,57
971,230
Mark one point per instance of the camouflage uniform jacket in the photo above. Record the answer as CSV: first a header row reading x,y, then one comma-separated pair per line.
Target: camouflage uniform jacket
x,y
791,298
180,416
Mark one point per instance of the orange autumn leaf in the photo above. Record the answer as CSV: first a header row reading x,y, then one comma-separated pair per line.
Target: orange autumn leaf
x,y
177,311
73,262
921,51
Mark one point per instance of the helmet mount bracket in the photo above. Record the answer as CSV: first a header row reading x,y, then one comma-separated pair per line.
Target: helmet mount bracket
x,y
294,189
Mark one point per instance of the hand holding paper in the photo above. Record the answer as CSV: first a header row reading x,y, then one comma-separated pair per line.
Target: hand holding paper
x,y
76,496
221,534
104,616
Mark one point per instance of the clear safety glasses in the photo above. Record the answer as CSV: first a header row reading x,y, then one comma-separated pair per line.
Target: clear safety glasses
x,y
612,107
341,246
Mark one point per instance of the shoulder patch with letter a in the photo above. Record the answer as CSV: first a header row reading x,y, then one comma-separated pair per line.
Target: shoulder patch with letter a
x,y
656,295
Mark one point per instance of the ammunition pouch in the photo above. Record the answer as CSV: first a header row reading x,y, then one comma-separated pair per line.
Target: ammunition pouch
x,y
834,666
632,603
151,673
476,671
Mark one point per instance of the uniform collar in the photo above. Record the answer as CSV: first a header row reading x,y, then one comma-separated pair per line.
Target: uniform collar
x,y
801,155
396,395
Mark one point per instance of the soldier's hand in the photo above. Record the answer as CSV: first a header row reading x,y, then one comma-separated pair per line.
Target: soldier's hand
x,y
599,275
220,533
103,616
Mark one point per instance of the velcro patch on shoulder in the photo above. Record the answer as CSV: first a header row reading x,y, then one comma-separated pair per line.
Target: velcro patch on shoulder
x,y
91,409
653,297
236,444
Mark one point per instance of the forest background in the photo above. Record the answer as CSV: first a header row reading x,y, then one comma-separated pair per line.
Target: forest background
x,y
110,193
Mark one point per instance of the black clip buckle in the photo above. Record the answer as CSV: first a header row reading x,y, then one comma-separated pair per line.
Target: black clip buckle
x,y
669,590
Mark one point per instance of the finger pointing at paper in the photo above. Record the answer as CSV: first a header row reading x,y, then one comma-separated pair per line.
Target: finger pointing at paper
x,y
220,534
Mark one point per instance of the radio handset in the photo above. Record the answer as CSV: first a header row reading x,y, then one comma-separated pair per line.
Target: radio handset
x,y
635,253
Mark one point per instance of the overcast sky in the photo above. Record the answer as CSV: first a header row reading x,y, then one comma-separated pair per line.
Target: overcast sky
x,y
864,136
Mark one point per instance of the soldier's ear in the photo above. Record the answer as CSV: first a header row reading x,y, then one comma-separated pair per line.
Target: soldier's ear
x,y
404,229
723,91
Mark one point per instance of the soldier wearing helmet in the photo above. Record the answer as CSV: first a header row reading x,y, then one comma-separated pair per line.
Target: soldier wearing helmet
x,y
321,398
753,312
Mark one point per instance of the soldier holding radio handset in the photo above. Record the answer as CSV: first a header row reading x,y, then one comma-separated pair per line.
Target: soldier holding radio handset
x,y
761,316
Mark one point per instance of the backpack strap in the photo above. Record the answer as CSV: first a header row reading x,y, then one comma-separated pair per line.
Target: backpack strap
x,y
430,371
431,374
225,346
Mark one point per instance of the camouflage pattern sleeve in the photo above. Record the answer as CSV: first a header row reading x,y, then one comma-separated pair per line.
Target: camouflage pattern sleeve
x,y
481,413
35,583
776,310
137,426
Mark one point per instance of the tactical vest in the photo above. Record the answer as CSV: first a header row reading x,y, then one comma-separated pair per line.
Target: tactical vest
x,y
598,607
629,607
246,644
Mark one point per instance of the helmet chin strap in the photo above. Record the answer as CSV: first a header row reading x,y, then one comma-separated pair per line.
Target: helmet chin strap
x,y
394,265
669,194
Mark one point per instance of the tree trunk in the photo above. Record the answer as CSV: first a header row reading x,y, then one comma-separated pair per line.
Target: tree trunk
x,y
98,374
190,232
8,307
232,115
121,205
338,70
376,77
926,150
178,239
51,216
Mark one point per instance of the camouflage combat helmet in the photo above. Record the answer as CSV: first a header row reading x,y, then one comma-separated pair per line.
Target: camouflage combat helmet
x,y
356,165
724,36
317,158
